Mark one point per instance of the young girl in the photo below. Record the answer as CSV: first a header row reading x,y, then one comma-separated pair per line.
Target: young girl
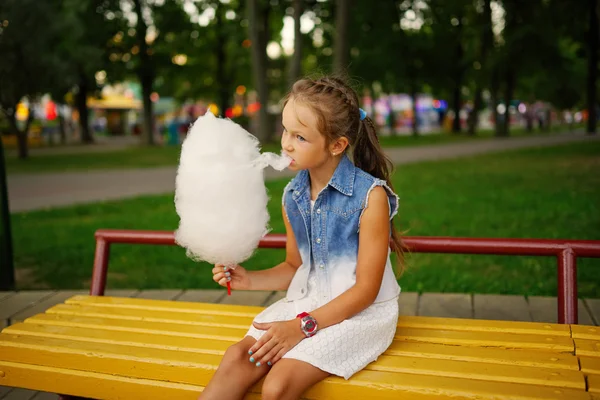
x,y
341,308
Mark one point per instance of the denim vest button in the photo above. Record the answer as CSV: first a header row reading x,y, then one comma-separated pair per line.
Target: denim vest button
x,y
319,211
321,265
318,240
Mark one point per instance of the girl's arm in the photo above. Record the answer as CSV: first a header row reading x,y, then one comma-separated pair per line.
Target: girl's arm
x,y
373,245
280,276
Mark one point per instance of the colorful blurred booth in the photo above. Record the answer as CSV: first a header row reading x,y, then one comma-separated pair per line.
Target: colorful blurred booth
x,y
117,109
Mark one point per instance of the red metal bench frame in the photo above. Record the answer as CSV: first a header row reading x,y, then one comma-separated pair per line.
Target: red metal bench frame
x,y
565,251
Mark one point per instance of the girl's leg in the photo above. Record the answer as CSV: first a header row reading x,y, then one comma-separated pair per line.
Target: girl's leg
x,y
288,379
235,375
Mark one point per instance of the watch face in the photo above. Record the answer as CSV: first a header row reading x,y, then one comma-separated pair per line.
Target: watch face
x,y
310,325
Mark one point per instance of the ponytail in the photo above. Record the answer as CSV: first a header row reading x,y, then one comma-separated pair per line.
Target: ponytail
x,y
369,156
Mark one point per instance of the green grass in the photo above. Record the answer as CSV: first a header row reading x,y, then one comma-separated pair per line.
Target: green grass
x,y
536,193
145,157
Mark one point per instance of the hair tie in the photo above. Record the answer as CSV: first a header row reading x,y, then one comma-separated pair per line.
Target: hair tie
x,y
363,113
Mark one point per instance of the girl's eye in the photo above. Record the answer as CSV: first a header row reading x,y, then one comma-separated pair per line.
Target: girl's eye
x,y
300,138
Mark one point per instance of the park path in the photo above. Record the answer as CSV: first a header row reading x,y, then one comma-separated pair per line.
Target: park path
x,y
29,192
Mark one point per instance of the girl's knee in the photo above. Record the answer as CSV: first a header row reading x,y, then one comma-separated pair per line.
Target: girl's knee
x,y
273,389
234,355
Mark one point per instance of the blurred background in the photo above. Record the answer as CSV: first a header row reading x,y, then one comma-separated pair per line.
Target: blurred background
x,y
101,93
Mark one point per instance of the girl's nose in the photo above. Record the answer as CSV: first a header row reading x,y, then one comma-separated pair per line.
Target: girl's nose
x,y
286,144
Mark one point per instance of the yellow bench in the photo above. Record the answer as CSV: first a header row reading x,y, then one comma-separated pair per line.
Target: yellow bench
x,y
123,348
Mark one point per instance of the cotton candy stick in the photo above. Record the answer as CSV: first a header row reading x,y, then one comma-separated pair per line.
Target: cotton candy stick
x,y
220,194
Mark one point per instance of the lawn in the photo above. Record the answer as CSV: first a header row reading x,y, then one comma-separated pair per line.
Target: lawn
x,y
536,193
145,157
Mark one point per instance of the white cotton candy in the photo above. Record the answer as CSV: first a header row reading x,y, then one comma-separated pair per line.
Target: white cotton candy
x,y
220,195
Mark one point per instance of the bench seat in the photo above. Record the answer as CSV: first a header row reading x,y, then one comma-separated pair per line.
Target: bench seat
x,y
123,348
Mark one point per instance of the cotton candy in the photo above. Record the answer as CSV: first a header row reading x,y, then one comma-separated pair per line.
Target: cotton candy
x,y
220,195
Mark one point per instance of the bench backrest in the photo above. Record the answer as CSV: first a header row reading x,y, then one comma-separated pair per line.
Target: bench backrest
x,y
565,251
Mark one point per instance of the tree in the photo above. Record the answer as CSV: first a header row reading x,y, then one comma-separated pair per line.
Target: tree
x,y
296,61
486,45
145,69
341,52
28,36
7,274
592,66
259,35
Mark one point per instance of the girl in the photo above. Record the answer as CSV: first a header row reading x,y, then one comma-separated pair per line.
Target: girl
x,y
341,308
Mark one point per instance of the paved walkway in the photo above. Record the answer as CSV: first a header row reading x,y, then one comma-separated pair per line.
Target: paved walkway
x,y
37,191
17,306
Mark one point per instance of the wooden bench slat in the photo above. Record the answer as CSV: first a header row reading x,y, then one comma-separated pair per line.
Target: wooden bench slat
x,y
197,368
181,330
480,325
163,316
250,312
164,305
487,339
94,385
484,354
494,339
217,339
585,347
585,332
594,384
365,384
217,344
590,365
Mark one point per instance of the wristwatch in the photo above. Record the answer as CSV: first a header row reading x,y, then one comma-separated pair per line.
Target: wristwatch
x,y
308,324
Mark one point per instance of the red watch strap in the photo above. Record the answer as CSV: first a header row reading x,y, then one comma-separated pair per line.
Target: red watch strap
x,y
302,315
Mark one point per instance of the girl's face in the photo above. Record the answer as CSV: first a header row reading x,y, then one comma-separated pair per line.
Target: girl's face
x,y
301,140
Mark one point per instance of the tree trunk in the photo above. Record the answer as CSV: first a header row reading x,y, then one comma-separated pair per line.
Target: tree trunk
x,y
145,73
7,271
296,61
456,104
342,45
413,95
82,109
62,129
222,77
487,42
510,87
473,119
259,69
458,64
592,67
22,145
494,100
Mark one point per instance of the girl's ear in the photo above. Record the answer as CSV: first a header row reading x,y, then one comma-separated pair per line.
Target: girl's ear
x,y
338,146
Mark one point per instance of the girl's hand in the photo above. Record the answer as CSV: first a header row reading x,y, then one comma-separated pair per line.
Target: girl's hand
x,y
280,338
238,277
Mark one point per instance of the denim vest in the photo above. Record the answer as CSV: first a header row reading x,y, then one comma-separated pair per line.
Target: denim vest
x,y
327,235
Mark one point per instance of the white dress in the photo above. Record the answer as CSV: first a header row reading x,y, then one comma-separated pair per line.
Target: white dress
x,y
342,349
